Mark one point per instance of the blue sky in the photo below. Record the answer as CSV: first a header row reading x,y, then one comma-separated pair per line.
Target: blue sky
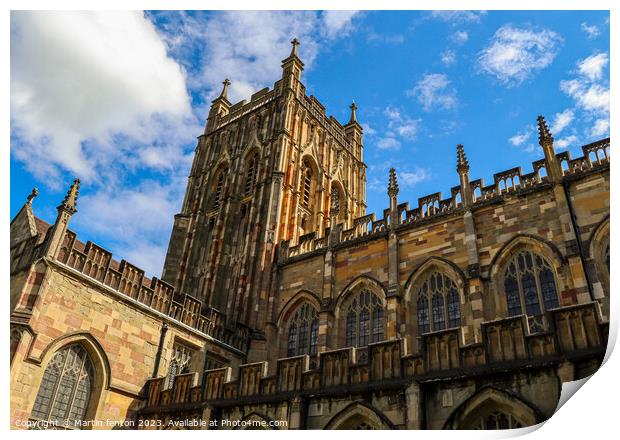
x,y
118,99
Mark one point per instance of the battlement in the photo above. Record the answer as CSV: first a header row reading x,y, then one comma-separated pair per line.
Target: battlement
x,y
96,263
310,103
506,183
507,344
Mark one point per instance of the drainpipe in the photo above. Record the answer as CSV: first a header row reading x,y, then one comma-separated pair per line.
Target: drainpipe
x,y
162,337
582,254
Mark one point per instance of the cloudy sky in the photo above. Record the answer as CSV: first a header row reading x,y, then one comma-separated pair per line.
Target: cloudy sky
x,y
118,98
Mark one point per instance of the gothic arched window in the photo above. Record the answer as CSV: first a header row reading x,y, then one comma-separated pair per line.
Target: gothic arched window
x,y
438,303
364,321
66,387
303,331
179,363
219,188
497,420
306,185
250,174
529,284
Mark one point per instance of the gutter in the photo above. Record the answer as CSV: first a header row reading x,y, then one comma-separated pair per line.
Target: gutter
x,y
160,348
582,254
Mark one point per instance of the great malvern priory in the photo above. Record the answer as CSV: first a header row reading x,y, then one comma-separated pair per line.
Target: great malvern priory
x,y
283,305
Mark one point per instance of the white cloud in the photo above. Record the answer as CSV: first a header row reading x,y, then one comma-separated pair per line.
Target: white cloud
x,y
104,95
247,46
400,127
515,54
562,120
565,142
407,178
388,143
460,37
374,37
412,178
456,17
592,67
591,31
338,23
433,91
590,91
368,130
401,124
600,128
522,140
136,221
448,57
590,97
80,89
519,139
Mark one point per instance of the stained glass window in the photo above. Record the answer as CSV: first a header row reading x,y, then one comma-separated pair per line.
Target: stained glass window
x,y
438,298
250,175
424,325
364,313
498,420
529,284
66,388
179,363
303,331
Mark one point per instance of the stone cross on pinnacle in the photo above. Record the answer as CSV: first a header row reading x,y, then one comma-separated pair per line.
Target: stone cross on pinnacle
x,y
295,43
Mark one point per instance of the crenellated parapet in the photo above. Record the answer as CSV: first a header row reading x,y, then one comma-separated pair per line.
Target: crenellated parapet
x,y
507,183
97,263
507,344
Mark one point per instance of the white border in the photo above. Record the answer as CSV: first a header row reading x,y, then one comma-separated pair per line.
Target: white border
x,y
593,410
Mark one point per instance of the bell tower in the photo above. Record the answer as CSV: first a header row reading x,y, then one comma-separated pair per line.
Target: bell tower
x,y
265,171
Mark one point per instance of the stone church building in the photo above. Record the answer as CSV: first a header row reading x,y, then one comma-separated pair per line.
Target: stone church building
x,y
283,305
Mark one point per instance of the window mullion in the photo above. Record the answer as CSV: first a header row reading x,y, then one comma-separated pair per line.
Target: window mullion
x,y
56,386
431,324
539,291
357,328
74,391
519,274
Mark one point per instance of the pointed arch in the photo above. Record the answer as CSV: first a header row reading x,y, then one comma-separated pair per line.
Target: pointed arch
x,y
356,284
529,274
255,420
298,325
495,407
92,346
360,313
434,298
250,170
536,243
215,190
359,415
430,264
311,161
82,347
599,255
296,300
342,200
600,235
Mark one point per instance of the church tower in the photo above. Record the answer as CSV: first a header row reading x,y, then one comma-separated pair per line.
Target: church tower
x,y
264,171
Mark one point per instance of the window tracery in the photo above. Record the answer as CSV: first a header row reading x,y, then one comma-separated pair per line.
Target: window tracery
x,y
529,284
250,175
438,304
497,420
219,187
179,362
303,331
66,388
365,320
